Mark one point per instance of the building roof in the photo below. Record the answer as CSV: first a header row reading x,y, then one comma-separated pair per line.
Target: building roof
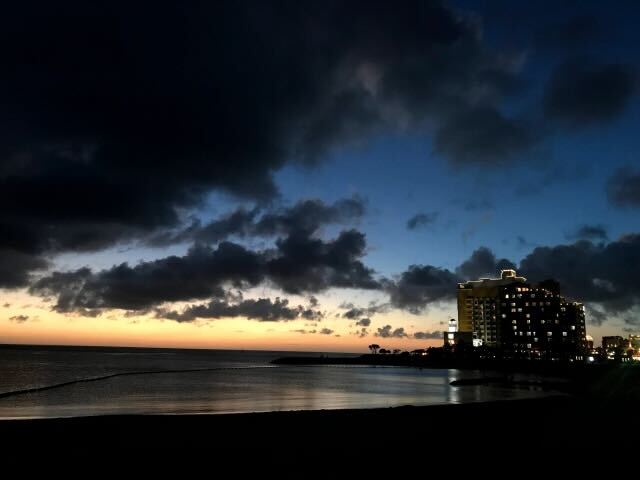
x,y
507,277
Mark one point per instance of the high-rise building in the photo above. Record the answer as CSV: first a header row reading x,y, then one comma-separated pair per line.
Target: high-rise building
x,y
521,319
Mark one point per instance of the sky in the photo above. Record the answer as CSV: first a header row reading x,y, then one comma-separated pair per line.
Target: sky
x,y
311,175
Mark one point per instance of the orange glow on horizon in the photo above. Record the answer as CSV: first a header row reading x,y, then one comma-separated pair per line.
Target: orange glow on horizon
x,y
45,327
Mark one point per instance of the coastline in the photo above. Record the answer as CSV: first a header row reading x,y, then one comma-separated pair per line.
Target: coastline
x,y
393,429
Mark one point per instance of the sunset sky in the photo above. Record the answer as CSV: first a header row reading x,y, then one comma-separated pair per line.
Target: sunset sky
x,y
311,175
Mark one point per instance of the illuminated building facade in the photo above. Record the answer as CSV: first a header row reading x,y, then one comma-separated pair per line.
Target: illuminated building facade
x,y
520,319
619,347
455,337
612,343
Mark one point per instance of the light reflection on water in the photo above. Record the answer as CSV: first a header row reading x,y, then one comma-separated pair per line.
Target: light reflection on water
x,y
228,390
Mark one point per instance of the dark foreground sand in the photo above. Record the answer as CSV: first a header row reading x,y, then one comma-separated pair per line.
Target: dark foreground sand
x,y
554,423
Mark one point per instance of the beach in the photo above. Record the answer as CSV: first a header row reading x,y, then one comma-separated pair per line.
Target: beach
x,y
306,409
553,423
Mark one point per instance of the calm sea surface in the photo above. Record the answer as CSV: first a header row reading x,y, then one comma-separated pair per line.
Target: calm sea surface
x,y
213,381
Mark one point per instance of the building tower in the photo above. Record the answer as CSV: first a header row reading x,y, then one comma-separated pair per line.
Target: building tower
x,y
520,319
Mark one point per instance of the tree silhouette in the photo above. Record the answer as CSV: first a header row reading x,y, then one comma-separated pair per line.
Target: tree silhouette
x,y
374,348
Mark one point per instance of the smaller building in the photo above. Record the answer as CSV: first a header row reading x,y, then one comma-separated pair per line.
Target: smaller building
x,y
612,343
453,337
589,343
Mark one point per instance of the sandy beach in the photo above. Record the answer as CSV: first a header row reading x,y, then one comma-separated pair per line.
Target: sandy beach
x,y
557,423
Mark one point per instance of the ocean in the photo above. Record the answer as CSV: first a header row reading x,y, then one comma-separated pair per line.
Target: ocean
x,y
83,381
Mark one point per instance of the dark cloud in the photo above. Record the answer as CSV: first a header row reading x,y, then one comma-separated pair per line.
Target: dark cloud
x,y
306,264
420,285
421,220
428,335
600,273
363,332
482,263
595,316
19,318
325,331
484,136
364,322
589,232
571,34
239,223
590,272
387,332
522,242
117,118
261,309
582,92
623,188
198,274
310,215
632,319
16,267
354,312
299,264
303,331
305,217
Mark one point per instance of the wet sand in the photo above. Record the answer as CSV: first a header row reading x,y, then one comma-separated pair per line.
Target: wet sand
x,y
554,423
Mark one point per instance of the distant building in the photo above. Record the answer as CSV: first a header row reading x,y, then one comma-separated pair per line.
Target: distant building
x,y
612,343
617,347
634,341
589,343
521,319
454,337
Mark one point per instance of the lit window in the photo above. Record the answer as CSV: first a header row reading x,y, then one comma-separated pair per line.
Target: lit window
x,y
528,345
549,334
564,334
504,315
506,296
573,327
519,309
528,321
528,315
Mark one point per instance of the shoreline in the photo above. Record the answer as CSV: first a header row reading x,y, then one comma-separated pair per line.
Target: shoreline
x,y
394,429
548,394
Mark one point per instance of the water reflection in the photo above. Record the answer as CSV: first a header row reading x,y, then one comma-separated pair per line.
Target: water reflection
x,y
256,390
